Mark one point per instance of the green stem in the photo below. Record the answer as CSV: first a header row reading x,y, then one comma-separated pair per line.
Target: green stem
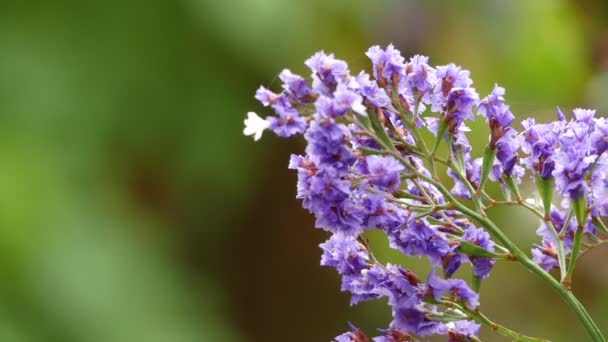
x,y
561,253
599,224
563,292
576,246
483,319
476,200
562,233
411,126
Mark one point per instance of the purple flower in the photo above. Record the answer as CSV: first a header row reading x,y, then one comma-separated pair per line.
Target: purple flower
x,y
327,72
459,331
451,263
345,217
599,136
420,239
456,288
460,103
287,123
494,110
382,215
420,79
383,172
506,151
306,170
343,101
545,256
392,335
265,96
328,144
481,266
344,253
295,85
369,284
355,335
330,198
346,337
448,77
539,142
583,115
387,64
327,187
413,320
373,94
574,157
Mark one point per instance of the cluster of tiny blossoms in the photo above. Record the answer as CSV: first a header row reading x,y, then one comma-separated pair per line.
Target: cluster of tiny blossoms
x,y
366,166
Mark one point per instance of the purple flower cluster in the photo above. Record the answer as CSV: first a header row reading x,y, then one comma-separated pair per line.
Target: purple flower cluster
x,y
364,168
502,138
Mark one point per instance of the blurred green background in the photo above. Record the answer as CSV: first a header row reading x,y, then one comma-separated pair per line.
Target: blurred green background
x,y
132,208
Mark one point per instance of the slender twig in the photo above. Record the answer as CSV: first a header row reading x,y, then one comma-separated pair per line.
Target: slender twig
x,y
592,246
483,319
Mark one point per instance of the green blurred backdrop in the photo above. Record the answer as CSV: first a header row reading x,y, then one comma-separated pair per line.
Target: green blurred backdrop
x,y
133,209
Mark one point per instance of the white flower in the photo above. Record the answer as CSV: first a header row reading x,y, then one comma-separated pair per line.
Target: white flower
x,y
255,125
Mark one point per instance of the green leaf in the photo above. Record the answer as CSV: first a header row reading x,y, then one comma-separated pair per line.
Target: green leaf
x,y
424,213
443,126
545,190
472,249
580,210
364,120
475,283
380,132
370,151
486,166
512,185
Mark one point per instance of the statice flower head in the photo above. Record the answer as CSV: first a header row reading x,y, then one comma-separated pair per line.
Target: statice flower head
x,y
539,142
287,122
265,96
383,172
388,64
459,107
345,254
481,265
392,335
343,101
295,86
545,256
420,239
599,136
328,144
493,108
373,95
575,156
456,288
327,72
419,80
355,335
506,151
410,319
448,77
459,331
